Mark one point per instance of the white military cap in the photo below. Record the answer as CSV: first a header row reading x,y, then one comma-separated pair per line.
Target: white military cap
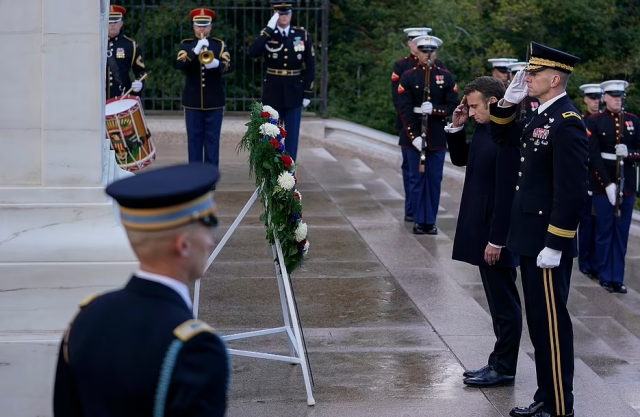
x,y
591,89
614,88
427,42
415,32
502,64
517,66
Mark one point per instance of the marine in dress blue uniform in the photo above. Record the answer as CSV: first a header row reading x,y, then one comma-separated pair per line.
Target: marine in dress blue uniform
x,y
123,56
399,67
500,69
438,104
529,105
549,198
203,97
613,135
483,225
138,351
587,230
291,70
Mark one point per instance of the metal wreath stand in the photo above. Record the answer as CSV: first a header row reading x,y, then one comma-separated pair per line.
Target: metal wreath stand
x,y
292,327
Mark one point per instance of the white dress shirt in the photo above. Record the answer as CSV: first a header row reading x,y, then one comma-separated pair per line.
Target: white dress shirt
x,y
180,287
285,30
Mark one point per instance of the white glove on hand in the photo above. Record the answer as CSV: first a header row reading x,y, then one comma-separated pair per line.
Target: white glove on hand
x,y
518,89
621,150
273,21
611,193
201,44
427,107
213,64
549,258
136,86
305,102
417,142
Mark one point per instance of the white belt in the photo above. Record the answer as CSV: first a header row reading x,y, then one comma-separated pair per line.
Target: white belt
x,y
418,110
609,156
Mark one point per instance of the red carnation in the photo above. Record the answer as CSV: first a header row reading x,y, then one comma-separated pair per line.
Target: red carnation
x,y
265,114
274,143
283,132
301,244
295,178
288,162
296,194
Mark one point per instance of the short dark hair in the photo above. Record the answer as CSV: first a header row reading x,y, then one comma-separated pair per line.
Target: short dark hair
x,y
487,86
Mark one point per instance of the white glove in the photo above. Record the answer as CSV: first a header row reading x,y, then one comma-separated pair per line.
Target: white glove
x,y
621,150
611,193
427,107
417,142
201,44
549,258
136,86
305,102
518,89
273,21
213,64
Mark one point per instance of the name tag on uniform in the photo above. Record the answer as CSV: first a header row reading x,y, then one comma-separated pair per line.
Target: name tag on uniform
x,y
539,133
120,53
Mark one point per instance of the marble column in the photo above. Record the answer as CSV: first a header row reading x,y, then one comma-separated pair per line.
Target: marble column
x,y
59,240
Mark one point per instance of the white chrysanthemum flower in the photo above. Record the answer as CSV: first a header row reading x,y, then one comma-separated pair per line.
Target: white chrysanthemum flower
x,y
306,248
273,112
270,130
286,180
301,231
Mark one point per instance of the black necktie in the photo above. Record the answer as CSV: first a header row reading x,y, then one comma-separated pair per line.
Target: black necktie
x,y
284,34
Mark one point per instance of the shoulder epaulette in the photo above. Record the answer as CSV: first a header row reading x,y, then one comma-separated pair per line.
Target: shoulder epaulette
x,y
630,114
217,39
191,328
90,299
186,40
571,114
299,27
128,38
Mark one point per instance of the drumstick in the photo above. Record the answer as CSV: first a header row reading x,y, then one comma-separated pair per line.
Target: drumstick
x,y
131,89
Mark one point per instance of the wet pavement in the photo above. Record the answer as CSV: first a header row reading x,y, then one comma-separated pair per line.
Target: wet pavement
x,y
390,321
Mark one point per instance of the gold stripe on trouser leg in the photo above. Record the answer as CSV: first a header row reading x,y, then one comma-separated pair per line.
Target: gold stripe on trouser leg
x,y
545,277
555,327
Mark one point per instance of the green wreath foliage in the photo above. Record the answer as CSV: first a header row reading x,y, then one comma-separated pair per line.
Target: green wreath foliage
x,y
274,173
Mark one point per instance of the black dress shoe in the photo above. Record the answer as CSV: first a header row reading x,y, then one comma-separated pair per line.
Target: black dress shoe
x,y
490,379
545,414
476,372
592,274
619,287
607,285
530,411
430,229
418,229
408,218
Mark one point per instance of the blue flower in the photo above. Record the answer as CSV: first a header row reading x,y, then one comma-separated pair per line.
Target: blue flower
x,y
294,218
273,121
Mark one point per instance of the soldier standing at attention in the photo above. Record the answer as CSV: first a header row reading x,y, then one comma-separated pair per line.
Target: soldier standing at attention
x,y
123,56
587,229
615,147
501,69
291,69
203,97
430,100
399,67
548,202
138,351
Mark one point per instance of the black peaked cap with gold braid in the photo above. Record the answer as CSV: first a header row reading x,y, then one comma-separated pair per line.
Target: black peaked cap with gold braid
x,y
543,57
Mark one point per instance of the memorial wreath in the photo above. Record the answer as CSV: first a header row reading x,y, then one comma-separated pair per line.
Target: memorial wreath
x,y
274,173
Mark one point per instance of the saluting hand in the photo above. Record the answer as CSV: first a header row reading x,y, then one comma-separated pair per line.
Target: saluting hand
x,y
460,114
274,19
518,89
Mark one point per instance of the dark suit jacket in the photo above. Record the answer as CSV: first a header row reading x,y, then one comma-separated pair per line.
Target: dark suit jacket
x,y
487,196
552,182
110,361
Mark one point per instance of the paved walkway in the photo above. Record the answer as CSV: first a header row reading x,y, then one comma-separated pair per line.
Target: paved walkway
x,y
390,320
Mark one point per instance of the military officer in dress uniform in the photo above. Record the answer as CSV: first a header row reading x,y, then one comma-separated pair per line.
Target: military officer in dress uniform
x,y
552,186
587,230
291,69
203,97
615,148
483,225
501,69
399,67
417,102
529,105
123,56
137,351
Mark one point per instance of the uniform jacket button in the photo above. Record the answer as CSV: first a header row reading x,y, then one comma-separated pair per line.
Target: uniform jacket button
x,y
519,174
540,213
517,187
522,159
